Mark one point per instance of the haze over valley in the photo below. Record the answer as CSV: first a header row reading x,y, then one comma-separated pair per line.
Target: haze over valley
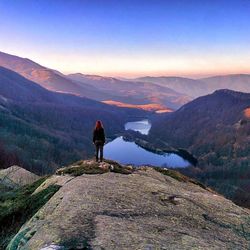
x,y
160,92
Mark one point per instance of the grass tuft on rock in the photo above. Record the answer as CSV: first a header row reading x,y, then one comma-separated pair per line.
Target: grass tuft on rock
x,y
172,173
117,168
80,168
92,167
180,177
18,206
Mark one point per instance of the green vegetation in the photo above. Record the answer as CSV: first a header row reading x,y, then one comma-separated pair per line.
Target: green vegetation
x,y
117,168
18,206
80,168
75,243
92,167
34,148
187,156
215,129
172,173
179,177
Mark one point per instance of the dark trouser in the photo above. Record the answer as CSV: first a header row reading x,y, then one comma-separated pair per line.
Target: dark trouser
x,y
99,147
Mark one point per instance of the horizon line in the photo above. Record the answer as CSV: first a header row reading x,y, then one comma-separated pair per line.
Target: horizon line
x,y
133,75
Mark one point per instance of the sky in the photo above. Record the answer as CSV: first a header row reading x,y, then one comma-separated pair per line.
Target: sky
x,y
130,38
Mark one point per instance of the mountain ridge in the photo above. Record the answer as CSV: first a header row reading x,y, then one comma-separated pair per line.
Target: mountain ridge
x,y
202,86
47,78
135,92
56,81
216,130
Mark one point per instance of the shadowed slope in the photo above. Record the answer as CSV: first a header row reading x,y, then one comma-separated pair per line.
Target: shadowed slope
x,y
216,129
47,78
46,129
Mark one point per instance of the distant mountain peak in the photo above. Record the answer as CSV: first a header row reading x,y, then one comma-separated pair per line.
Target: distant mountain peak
x,y
226,91
93,77
233,93
226,76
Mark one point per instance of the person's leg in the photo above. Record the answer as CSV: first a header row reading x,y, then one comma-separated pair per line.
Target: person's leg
x,y
96,151
101,152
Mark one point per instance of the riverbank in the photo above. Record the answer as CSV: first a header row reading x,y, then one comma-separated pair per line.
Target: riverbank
x,y
161,150
132,147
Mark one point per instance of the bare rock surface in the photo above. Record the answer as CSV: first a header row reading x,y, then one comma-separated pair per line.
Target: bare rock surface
x,y
16,176
141,209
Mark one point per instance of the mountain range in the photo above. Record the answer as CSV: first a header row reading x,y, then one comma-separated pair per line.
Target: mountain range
x,y
165,90
199,87
94,87
168,92
47,78
135,92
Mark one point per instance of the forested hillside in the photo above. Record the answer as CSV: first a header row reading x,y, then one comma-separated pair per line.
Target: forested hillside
x,y
43,129
216,129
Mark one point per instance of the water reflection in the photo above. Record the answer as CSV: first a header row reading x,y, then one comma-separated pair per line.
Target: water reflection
x,y
127,152
141,126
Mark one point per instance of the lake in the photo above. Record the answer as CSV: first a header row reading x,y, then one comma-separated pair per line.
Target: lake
x,y
127,152
141,126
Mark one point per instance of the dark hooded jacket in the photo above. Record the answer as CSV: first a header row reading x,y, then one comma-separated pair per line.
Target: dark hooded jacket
x,y
99,135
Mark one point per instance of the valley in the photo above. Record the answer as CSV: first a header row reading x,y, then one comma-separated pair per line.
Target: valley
x,y
124,125
149,107
43,128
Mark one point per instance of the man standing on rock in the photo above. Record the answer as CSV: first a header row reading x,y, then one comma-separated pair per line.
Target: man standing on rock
x,y
99,139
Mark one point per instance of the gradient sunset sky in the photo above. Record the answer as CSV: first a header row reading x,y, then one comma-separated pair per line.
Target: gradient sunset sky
x,y
130,38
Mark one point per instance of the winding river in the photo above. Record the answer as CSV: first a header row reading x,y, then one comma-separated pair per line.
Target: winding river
x,y
127,152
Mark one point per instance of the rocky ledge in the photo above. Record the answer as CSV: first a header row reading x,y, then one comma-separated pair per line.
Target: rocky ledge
x,y
15,176
108,206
